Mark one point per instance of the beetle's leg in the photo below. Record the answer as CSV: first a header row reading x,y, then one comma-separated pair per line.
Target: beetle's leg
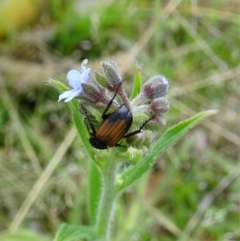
x,y
104,115
89,122
135,132
139,130
119,145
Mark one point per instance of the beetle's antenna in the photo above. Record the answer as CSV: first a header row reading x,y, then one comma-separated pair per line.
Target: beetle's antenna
x,y
111,101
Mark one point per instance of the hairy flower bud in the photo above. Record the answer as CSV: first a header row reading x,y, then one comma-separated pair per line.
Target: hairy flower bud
x,y
113,119
101,79
160,106
155,87
95,93
113,77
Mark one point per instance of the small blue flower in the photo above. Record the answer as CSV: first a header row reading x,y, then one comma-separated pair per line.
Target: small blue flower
x,y
75,80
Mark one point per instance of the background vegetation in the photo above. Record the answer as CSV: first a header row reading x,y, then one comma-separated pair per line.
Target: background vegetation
x,y
193,193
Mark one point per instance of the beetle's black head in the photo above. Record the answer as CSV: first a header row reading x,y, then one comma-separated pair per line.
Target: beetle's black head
x,y
97,143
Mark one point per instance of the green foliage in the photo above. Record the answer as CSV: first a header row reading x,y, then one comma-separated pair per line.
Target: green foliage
x,y
92,34
76,116
73,232
23,235
137,83
169,138
101,205
180,178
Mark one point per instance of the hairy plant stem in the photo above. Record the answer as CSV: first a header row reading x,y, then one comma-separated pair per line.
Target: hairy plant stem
x,y
106,205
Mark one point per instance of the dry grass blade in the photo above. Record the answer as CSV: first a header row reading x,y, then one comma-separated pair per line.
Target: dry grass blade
x,y
164,221
208,200
214,79
11,178
43,179
170,7
220,15
19,128
198,39
219,130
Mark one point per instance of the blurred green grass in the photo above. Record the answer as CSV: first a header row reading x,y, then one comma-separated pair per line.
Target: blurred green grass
x,y
193,191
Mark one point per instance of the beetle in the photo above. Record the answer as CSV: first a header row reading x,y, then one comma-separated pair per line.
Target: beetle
x,y
114,126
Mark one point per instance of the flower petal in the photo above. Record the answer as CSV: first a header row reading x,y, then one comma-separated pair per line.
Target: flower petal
x,y
83,67
69,95
74,78
65,94
73,94
85,76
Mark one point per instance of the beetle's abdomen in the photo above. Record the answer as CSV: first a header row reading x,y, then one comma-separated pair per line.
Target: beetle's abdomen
x,y
115,126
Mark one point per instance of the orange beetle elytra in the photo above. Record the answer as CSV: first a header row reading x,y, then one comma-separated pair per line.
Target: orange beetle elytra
x,y
113,127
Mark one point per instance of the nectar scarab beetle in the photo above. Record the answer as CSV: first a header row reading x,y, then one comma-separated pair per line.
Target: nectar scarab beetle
x,y
114,126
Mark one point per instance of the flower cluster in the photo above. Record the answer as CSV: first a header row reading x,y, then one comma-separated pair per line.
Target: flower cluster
x,y
95,91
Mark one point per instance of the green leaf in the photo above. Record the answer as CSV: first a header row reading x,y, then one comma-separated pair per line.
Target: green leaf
x,y
172,135
81,128
137,84
78,119
22,235
69,232
94,174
